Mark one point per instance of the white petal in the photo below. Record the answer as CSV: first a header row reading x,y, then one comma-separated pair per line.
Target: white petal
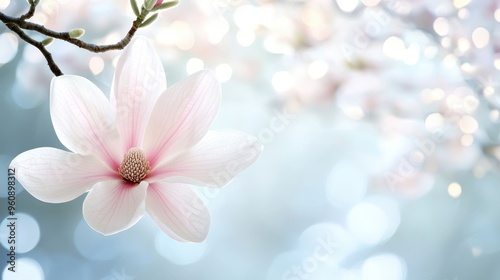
x,y
177,209
114,206
82,118
169,232
55,176
182,116
139,80
213,162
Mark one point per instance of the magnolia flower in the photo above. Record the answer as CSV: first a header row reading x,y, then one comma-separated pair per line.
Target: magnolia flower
x,y
139,151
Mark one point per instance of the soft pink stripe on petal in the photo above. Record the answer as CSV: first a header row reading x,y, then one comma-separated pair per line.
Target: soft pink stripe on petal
x,y
182,116
114,206
82,118
177,209
139,80
213,162
55,176
169,232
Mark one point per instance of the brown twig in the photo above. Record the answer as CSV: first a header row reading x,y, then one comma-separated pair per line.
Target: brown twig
x,y
16,24
29,14
77,42
48,56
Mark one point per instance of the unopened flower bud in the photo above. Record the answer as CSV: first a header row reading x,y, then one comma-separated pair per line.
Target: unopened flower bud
x,y
76,33
165,5
149,4
47,41
135,8
150,20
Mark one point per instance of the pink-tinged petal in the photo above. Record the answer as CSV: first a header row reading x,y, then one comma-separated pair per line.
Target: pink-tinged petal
x,y
114,206
55,176
213,162
178,211
82,118
169,232
182,116
139,80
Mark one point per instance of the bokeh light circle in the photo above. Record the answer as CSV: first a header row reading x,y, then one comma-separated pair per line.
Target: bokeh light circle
x,y
28,269
27,232
331,242
384,267
374,220
8,44
94,245
179,252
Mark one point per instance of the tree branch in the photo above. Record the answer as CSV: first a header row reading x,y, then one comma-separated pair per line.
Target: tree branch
x,y
48,56
28,14
77,42
17,24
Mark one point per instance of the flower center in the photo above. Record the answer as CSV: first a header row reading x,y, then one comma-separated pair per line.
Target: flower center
x,y
134,166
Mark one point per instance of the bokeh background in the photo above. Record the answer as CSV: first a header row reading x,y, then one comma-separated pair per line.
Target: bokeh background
x,y
380,123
